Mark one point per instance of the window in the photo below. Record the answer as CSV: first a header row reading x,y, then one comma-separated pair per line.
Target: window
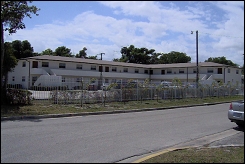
x,y
24,64
62,65
114,69
136,71
79,66
163,72
34,64
106,80
210,70
146,71
63,79
169,71
13,78
23,78
181,71
79,79
93,67
194,71
125,69
34,79
100,68
237,71
229,70
44,64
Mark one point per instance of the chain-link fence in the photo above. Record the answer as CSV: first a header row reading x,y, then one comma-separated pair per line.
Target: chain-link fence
x,y
85,92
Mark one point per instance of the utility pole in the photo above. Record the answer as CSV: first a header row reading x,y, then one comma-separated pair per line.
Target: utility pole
x,y
197,78
101,70
197,70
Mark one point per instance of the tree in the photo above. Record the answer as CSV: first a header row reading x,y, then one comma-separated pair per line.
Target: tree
x,y
12,15
10,61
82,53
63,51
149,56
92,57
47,52
27,49
174,57
221,60
22,49
132,54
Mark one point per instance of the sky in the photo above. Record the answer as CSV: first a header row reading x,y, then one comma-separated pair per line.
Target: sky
x,y
165,26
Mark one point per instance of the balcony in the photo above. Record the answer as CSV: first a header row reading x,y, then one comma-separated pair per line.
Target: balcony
x,y
38,71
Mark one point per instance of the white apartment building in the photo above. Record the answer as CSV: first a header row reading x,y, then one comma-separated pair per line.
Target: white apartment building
x,y
56,70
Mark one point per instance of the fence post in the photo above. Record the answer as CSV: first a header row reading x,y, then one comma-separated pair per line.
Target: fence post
x,y
81,97
137,90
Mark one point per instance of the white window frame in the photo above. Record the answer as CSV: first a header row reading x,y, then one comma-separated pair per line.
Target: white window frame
x,y
169,71
114,69
62,65
79,66
210,70
24,64
93,67
45,64
125,69
181,71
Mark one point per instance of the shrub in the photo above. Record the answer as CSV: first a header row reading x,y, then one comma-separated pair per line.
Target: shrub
x,y
18,96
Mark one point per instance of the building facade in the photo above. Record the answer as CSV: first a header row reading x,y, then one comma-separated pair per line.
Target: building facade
x,y
56,71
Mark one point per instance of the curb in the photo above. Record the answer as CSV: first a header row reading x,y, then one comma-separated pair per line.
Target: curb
x,y
158,153
25,117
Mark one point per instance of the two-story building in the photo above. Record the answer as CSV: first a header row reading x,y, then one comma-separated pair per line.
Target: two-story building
x,y
56,71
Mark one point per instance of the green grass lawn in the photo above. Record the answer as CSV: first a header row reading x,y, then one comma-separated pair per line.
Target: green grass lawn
x,y
45,107
201,155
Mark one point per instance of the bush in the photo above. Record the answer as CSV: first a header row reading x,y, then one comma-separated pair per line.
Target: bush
x,y
18,96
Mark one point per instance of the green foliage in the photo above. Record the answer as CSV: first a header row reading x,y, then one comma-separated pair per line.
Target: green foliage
x,y
174,57
63,51
47,52
176,82
10,60
221,60
143,55
82,53
13,13
22,49
18,96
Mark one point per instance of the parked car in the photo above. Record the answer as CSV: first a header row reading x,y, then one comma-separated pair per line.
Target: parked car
x,y
131,84
104,86
168,84
236,112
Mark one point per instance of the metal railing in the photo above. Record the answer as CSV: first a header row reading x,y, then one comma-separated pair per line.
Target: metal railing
x,y
87,92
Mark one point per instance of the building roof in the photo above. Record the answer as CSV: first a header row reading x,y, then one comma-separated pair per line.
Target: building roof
x,y
112,63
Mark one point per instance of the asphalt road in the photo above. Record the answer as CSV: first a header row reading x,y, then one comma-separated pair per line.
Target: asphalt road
x,y
112,138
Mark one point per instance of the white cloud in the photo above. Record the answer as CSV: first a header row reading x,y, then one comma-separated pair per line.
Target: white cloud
x,y
163,26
